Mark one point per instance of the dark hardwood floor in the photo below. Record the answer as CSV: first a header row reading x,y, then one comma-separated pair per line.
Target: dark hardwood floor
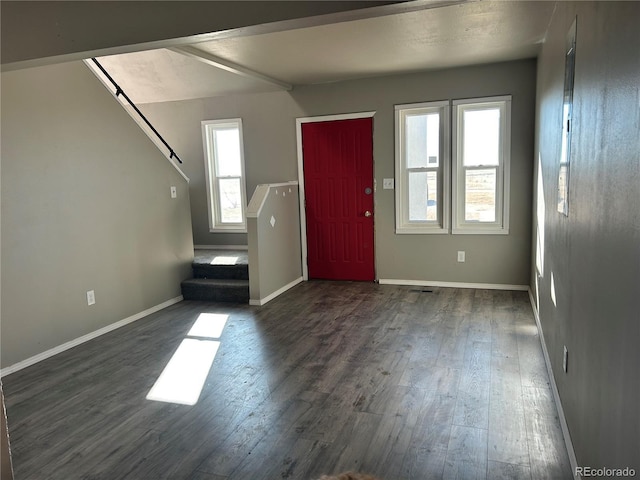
x,y
329,377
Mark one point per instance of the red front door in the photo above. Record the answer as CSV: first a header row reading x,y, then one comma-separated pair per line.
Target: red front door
x,y
338,183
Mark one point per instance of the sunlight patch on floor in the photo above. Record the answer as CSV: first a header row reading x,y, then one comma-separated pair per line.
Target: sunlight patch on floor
x,y
222,260
208,325
528,330
183,378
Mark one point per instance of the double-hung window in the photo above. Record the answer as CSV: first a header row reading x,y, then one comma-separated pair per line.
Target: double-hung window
x,y
224,166
422,167
481,152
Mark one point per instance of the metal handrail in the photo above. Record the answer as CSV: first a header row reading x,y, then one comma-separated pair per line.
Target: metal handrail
x,y
119,92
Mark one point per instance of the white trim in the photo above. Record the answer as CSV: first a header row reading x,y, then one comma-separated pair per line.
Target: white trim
x,y
503,170
135,117
258,199
435,283
213,203
403,224
479,231
85,338
419,105
466,101
303,215
421,231
278,292
282,184
221,247
333,118
260,195
556,394
227,230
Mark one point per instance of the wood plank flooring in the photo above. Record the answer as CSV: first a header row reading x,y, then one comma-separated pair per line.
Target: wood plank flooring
x,y
329,377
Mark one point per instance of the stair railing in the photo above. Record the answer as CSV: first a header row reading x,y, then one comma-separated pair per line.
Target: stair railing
x,y
119,92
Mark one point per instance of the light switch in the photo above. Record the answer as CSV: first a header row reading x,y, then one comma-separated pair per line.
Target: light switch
x,y
387,183
174,192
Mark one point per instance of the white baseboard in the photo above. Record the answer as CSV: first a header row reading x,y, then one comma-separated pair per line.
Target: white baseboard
x,y
429,283
85,338
280,291
556,395
221,247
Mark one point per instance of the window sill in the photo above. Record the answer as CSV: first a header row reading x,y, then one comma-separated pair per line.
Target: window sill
x,y
480,231
421,231
228,230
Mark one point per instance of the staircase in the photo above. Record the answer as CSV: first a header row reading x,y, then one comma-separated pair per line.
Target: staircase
x,y
218,276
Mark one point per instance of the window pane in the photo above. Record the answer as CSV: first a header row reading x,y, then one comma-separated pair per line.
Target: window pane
x,y
422,140
227,152
433,139
563,189
480,195
230,200
481,132
423,196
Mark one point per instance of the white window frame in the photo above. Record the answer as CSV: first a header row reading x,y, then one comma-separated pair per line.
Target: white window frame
x,y
212,179
403,224
564,171
501,224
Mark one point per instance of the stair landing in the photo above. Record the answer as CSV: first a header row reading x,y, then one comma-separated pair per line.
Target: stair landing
x,y
219,276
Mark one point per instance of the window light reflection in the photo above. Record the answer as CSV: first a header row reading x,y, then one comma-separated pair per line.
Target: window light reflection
x,y
528,330
182,379
208,325
222,260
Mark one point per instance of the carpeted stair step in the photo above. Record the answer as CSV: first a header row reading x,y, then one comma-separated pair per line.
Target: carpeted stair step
x,y
216,290
205,270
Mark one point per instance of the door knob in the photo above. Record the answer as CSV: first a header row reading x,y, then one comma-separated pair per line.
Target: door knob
x,y
367,213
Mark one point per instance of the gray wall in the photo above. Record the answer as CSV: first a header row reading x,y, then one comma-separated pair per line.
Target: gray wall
x,y
270,154
275,250
85,205
594,253
268,123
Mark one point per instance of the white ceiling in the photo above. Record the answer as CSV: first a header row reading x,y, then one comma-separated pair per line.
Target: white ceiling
x,y
163,76
435,37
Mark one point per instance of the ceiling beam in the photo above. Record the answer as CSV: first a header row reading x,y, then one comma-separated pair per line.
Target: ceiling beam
x,y
36,33
229,66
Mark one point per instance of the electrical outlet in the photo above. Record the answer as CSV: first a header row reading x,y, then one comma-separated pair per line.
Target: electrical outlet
x,y
461,256
174,192
565,359
91,297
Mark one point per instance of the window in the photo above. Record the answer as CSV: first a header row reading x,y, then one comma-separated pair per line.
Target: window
x,y
481,149
422,167
224,166
567,113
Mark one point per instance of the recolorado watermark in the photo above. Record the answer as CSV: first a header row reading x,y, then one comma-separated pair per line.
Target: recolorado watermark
x,y
605,472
